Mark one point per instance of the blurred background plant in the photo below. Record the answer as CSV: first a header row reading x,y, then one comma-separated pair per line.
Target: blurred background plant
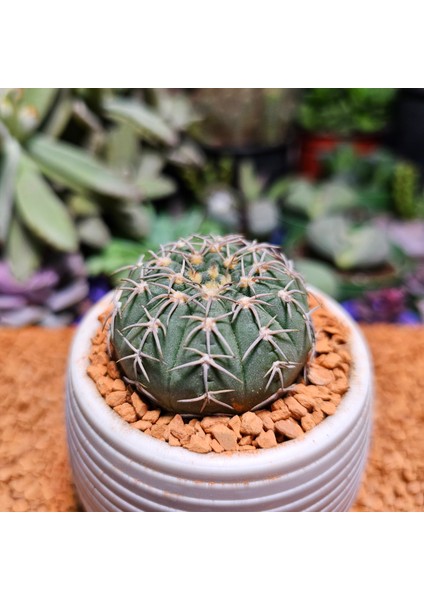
x,y
90,179
346,111
244,117
329,116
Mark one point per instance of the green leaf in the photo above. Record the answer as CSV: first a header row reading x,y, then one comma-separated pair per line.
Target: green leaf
x,y
83,206
78,169
187,154
144,120
39,98
300,197
151,165
42,211
155,188
8,170
93,232
114,256
320,275
122,149
278,189
22,252
176,108
250,184
60,115
347,245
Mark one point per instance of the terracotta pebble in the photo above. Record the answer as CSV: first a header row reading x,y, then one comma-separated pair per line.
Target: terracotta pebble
x,y
112,370
266,439
251,424
225,436
141,425
140,407
116,398
297,411
126,411
319,375
199,444
289,428
151,415
307,422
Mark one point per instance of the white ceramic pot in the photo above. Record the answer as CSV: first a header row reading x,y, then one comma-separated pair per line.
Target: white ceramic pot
x,y
117,468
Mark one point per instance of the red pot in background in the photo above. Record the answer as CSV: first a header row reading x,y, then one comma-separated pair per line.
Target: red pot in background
x,y
313,145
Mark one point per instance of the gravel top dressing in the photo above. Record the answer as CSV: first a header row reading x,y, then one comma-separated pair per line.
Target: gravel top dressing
x,y
34,470
301,409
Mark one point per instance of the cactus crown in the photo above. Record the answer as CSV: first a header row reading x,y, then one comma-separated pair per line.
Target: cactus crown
x,y
212,325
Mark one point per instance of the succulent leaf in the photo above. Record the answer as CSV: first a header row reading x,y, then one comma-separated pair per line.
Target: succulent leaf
x,y
93,232
156,187
9,163
40,98
122,149
79,169
346,245
142,118
42,211
251,185
212,324
22,253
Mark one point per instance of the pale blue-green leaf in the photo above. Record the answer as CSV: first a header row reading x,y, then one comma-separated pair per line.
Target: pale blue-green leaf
x,y
144,120
22,252
300,197
42,211
9,161
93,232
187,154
151,164
348,246
122,149
39,98
320,275
60,114
333,197
83,206
251,185
157,187
79,169
176,109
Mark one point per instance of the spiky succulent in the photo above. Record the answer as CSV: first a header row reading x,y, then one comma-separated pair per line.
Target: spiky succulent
x,y
212,325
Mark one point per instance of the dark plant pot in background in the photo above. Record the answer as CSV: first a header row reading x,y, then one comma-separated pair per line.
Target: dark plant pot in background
x,y
313,145
408,125
271,162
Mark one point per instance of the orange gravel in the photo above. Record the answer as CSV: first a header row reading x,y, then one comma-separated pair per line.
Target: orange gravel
x,y
302,408
34,473
394,479
34,469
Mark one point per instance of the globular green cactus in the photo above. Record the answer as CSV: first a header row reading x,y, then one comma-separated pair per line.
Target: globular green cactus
x,y
212,325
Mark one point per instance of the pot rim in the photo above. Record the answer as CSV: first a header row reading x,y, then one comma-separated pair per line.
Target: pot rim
x,y
157,454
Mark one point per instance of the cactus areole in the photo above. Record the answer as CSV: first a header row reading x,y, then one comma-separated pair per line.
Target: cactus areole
x,y
212,325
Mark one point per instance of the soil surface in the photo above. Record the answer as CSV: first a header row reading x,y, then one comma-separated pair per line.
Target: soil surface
x,y
34,469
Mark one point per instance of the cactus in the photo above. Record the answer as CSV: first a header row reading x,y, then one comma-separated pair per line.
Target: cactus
x,y
212,325
405,190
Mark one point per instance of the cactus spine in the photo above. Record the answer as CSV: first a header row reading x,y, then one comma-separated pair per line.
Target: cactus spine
x,y
212,325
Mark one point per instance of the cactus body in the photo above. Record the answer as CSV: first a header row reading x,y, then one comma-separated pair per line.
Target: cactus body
x,y
212,325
